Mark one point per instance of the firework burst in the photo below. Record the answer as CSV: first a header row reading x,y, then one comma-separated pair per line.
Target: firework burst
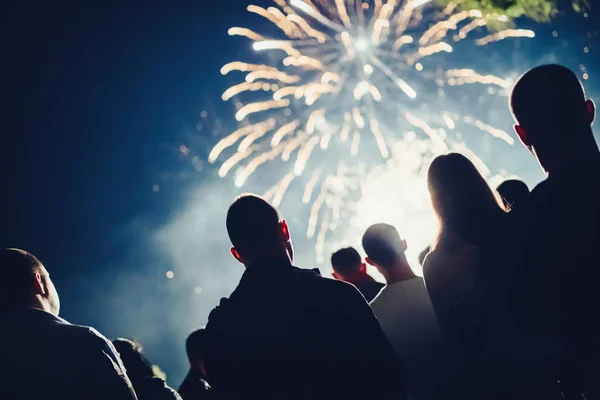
x,y
347,74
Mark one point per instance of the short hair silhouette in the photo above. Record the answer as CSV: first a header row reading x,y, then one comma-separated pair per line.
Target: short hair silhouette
x,y
549,100
511,191
462,200
423,254
346,261
195,346
383,245
16,273
253,225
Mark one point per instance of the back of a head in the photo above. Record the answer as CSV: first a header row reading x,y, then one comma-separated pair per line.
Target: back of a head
x,y
195,346
17,268
137,366
383,245
346,261
511,191
253,225
549,100
461,198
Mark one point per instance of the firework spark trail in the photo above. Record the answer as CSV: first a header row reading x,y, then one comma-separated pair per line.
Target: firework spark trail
x,y
338,72
507,33
464,76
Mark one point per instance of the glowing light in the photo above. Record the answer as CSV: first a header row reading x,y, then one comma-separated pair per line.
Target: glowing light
x,y
170,274
361,44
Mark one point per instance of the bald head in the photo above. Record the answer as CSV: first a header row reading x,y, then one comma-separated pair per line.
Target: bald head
x,y
549,100
25,283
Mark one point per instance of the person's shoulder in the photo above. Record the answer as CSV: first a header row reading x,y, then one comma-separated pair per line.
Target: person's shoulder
x,y
87,339
431,261
159,389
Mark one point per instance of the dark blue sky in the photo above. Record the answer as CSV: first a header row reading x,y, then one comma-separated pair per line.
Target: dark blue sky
x,y
98,96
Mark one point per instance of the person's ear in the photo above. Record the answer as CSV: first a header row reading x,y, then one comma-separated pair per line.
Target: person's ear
x,y
522,135
590,107
404,245
363,268
236,255
40,287
370,262
285,231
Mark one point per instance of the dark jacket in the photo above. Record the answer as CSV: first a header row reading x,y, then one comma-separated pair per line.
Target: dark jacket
x,y
155,388
543,326
45,357
367,286
287,333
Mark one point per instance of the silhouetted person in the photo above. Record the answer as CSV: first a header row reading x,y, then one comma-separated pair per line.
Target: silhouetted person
x,y
195,385
404,310
348,267
288,333
552,285
423,254
469,215
512,191
43,356
147,385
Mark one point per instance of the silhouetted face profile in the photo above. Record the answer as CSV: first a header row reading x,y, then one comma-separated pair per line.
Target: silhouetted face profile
x,y
347,263
25,283
461,198
195,346
552,114
512,191
257,231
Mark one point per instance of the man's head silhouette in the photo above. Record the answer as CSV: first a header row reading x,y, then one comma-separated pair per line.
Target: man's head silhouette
x,y
257,231
25,283
386,250
347,263
512,191
553,117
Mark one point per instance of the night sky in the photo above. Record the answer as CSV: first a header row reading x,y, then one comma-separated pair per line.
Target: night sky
x,y
98,98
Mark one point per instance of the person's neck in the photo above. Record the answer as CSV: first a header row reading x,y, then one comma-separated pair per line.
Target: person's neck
x,y
357,276
561,158
280,259
400,272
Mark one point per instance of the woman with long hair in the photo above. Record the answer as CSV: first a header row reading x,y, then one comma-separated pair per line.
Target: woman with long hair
x,y
470,216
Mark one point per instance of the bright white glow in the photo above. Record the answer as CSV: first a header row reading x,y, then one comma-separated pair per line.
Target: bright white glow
x,y
363,86
361,44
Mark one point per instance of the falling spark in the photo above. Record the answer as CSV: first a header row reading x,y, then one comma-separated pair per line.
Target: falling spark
x,y
495,132
310,186
246,33
507,33
464,76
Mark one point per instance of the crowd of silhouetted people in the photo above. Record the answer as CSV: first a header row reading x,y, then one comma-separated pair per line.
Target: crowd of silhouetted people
x,y
505,308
